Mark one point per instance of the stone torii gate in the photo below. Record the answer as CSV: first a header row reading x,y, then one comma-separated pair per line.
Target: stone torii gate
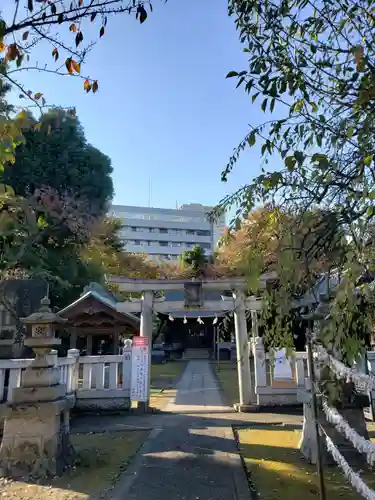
x,y
238,303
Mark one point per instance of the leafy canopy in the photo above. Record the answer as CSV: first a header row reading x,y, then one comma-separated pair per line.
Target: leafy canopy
x,y
56,154
194,258
311,71
273,239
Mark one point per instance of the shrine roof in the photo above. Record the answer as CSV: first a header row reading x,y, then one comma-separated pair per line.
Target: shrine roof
x,y
104,297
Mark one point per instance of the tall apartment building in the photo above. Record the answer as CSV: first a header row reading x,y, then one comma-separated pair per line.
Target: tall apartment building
x,y
164,233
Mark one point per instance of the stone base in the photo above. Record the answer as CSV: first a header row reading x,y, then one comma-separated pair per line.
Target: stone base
x,y
105,400
35,377
143,407
36,440
271,396
245,408
23,395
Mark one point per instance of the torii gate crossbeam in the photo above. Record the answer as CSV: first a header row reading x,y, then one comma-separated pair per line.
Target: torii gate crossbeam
x,y
238,304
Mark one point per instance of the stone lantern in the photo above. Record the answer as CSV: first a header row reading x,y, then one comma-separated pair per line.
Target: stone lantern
x,y
36,438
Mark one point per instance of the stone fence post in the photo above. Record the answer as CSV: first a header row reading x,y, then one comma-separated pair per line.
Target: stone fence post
x,y
74,374
52,357
260,364
370,356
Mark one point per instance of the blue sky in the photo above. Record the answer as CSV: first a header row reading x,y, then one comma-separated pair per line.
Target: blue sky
x,y
164,109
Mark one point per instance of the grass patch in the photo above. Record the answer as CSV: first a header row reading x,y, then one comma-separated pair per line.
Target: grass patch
x,y
371,429
164,378
278,470
165,375
100,460
226,372
160,398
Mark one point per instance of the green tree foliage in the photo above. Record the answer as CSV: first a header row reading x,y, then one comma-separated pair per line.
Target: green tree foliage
x,y
66,184
195,259
43,236
5,108
11,126
52,195
56,154
311,65
311,71
273,239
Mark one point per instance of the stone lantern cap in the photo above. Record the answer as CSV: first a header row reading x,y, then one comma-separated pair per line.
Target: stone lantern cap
x,y
44,315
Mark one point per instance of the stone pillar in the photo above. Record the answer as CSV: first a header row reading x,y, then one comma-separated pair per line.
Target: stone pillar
x,y
89,345
74,353
146,316
215,343
242,347
36,439
52,357
260,367
73,337
254,324
371,369
308,445
116,340
146,331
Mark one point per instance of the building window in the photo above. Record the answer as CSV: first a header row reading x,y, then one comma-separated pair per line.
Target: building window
x,y
163,243
203,233
134,229
163,230
207,246
151,229
190,231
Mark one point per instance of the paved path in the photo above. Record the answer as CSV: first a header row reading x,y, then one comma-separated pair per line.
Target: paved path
x,y
198,391
194,456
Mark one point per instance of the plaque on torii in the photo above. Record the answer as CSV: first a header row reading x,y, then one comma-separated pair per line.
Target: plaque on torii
x,y
193,294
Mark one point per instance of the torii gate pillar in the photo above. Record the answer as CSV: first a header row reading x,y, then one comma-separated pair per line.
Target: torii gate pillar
x,y
242,347
146,331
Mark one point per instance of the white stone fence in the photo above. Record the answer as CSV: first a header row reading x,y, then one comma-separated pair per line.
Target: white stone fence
x,y
271,392
92,382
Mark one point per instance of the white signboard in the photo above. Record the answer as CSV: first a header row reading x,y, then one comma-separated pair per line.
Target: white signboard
x,y
283,369
140,369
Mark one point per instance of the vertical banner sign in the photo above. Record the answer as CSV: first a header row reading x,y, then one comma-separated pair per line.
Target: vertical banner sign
x,y
140,368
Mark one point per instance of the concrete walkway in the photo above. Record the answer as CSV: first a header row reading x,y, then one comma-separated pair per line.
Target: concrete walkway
x,y
198,391
193,455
